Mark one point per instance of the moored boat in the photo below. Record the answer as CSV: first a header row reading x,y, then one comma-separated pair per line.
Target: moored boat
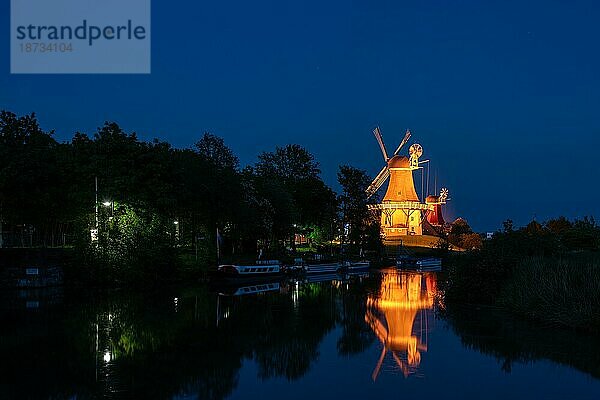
x,y
317,268
420,264
322,268
356,266
262,269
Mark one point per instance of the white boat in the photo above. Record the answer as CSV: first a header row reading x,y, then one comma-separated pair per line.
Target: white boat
x,y
357,266
261,268
428,262
327,268
420,264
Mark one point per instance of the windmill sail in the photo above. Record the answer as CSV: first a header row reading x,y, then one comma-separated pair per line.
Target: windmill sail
x,y
378,181
379,138
406,137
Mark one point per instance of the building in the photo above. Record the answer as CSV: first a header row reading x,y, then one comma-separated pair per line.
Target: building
x,y
402,212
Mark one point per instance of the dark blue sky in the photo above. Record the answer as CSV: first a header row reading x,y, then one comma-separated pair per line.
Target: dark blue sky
x,y
503,96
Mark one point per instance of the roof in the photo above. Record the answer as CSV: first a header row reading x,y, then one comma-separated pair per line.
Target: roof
x,y
399,162
432,199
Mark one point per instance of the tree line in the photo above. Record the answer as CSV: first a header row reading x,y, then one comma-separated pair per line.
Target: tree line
x,y
152,197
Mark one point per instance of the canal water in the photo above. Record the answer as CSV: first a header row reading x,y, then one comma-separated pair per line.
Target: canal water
x,y
379,335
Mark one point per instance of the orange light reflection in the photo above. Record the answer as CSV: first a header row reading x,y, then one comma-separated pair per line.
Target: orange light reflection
x,y
391,314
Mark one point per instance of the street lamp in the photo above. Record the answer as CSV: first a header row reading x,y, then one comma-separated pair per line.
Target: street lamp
x,y
176,223
111,204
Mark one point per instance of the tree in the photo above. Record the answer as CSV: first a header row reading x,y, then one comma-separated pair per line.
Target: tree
x,y
213,149
363,225
291,163
471,241
31,195
289,180
462,235
583,235
508,225
559,226
460,227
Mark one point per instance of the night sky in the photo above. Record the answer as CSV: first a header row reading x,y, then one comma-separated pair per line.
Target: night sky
x,y
503,97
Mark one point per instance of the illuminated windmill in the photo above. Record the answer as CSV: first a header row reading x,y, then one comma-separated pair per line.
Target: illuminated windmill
x,y
435,216
401,209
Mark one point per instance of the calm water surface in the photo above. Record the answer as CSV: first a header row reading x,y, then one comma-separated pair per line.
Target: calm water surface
x,y
373,336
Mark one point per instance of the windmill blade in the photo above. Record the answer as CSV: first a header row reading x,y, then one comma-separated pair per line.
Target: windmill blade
x,y
378,181
406,137
379,138
375,373
401,364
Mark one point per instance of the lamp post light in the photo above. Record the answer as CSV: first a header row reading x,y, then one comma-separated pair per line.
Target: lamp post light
x,y
111,204
176,223
106,203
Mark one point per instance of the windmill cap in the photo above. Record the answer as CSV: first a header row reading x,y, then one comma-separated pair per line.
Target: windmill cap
x,y
432,199
399,162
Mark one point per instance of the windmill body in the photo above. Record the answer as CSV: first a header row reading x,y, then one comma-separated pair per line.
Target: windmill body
x,y
435,216
402,212
401,186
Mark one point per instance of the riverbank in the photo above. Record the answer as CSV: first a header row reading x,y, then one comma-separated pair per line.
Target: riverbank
x,y
548,273
561,290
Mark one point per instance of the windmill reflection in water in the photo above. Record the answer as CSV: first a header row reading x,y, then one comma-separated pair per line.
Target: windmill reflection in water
x,y
399,315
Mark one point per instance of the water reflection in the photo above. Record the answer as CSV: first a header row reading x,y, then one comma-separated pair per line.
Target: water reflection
x,y
282,324
399,316
201,343
512,341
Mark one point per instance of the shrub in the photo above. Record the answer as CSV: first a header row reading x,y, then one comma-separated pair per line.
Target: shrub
x,y
134,246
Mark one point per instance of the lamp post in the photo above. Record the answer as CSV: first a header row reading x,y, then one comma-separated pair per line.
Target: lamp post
x,y
176,223
105,203
111,204
94,230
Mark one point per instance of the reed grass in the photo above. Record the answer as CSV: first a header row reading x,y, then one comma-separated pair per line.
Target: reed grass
x,y
561,291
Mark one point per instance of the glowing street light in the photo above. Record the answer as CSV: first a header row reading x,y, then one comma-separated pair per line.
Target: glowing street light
x,y
110,204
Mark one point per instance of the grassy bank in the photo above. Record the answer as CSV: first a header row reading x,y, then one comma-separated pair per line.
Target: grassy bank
x,y
553,289
549,273
562,291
